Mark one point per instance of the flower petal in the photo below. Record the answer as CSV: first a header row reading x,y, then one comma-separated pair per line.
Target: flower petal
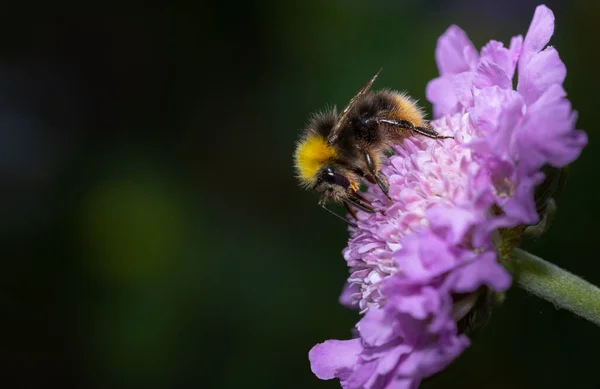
x,y
539,34
463,88
505,59
377,328
543,70
349,294
433,356
548,134
440,92
521,206
423,258
496,112
452,224
490,74
484,271
403,383
455,53
418,302
334,358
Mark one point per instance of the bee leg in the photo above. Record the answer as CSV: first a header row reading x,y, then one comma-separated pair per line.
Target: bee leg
x,y
381,181
360,202
350,210
322,205
375,174
425,131
431,133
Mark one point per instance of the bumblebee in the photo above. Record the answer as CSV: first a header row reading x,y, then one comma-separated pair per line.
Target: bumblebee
x,y
338,152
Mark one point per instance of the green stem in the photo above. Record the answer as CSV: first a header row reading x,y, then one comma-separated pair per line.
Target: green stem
x,y
561,288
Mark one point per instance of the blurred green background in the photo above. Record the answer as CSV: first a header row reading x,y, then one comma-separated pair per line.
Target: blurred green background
x,y
152,232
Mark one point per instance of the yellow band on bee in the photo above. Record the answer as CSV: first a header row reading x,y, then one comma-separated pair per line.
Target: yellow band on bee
x,y
312,153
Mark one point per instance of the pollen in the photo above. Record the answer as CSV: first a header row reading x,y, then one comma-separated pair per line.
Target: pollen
x,y
311,154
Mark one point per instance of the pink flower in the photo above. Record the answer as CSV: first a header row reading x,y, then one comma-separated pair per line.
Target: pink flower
x,y
519,131
417,268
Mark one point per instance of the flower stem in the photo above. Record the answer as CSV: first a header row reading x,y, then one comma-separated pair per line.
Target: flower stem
x,y
558,286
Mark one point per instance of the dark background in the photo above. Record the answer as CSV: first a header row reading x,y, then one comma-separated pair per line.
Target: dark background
x,y
152,232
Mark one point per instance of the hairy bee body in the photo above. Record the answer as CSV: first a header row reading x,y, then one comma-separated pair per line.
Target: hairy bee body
x,y
338,151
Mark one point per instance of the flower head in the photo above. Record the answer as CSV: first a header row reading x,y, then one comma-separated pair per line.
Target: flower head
x,y
418,267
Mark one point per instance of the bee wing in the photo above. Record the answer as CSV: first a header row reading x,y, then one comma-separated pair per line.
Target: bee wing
x,y
343,118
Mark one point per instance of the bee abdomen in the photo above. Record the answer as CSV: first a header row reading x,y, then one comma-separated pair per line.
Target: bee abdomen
x,y
407,109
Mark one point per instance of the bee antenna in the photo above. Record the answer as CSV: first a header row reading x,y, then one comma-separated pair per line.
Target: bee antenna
x,y
338,216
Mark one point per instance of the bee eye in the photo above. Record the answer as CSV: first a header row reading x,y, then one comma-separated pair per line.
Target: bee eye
x,y
331,177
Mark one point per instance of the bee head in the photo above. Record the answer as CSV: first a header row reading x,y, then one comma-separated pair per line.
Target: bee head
x,y
334,182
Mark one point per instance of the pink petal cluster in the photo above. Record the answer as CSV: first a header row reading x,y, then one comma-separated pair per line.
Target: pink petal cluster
x,y
434,242
519,131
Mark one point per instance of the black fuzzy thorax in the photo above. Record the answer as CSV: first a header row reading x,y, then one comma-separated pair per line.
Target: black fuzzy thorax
x,y
361,131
